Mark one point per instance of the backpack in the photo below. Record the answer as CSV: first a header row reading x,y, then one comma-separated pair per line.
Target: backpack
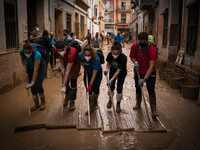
x,y
74,44
100,54
147,50
39,48
41,42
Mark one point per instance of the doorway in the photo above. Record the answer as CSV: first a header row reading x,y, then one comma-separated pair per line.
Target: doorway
x,y
58,23
31,15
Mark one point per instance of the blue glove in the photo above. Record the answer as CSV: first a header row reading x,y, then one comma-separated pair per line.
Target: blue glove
x,y
141,81
136,66
29,85
106,72
110,82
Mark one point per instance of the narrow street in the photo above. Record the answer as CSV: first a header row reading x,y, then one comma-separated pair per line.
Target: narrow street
x,y
179,116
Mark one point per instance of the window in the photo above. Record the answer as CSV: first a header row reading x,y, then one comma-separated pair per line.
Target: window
x,y
82,24
192,33
11,24
68,23
123,18
95,10
123,5
165,29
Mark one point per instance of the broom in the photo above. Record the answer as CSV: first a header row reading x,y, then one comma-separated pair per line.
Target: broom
x,y
89,126
61,125
117,123
29,126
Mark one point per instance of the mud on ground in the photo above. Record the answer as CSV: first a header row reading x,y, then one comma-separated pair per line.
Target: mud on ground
x,y
179,116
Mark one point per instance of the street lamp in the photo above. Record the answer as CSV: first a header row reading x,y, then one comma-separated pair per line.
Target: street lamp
x,y
133,4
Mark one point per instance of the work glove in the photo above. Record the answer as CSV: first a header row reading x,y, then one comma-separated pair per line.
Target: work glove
x,y
29,85
62,70
25,68
85,71
110,82
89,87
141,81
63,89
106,72
136,66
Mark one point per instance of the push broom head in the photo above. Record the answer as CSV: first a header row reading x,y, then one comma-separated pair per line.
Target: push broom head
x,y
117,130
90,128
22,128
60,126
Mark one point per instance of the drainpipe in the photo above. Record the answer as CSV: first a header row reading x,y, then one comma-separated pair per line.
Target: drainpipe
x,y
49,13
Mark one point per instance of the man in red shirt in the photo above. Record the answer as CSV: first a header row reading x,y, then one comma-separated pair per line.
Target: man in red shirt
x,y
70,69
146,65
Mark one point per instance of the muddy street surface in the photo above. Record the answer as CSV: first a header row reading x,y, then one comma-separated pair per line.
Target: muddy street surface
x,y
179,117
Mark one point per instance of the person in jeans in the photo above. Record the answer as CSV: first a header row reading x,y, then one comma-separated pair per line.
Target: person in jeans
x,y
90,61
147,70
70,69
35,67
96,40
53,56
116,62
48,46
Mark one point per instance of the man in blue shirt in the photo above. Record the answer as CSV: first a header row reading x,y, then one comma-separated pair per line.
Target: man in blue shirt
x,y
119,38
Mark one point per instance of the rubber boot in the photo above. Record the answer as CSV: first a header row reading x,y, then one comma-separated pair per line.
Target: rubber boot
x,y
153,111
67,96
95,97
72,105
109,104
138,101
65,103
91,102
118,109
42,105
36,101
119,97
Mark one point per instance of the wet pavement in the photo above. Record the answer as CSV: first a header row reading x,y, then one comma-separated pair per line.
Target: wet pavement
x,y
179,116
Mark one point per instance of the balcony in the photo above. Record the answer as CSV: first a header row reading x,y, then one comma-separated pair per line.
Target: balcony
x,y
94,17
101,15
124,8
123,22
109,20
146,4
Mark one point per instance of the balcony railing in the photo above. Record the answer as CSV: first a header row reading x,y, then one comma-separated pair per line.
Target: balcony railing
x,y
123,21
109,7
124,7
109,20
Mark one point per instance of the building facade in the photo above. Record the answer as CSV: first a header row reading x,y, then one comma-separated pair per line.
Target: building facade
x,y
17,18
175,26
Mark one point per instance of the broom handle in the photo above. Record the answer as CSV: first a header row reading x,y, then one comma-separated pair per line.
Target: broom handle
x,y
87,94
61,115
112,103
29,108
144,100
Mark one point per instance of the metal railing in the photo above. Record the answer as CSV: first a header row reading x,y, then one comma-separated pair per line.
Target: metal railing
x,y
123,21
124,8
109,20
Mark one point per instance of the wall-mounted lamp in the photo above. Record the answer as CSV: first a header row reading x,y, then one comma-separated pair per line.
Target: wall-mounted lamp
x,y
133,4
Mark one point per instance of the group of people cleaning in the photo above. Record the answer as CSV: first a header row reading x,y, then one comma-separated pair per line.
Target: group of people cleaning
x,y
116,66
